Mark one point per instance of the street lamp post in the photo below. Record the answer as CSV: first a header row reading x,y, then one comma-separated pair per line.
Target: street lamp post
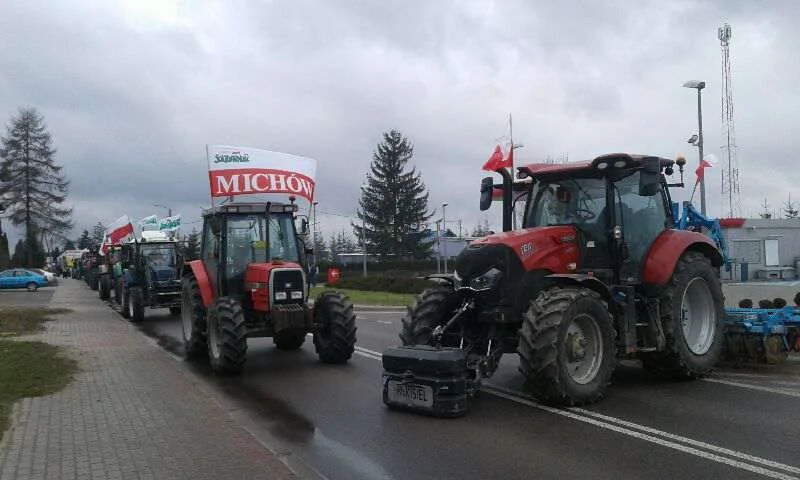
x,y
699,86
169,210
444,225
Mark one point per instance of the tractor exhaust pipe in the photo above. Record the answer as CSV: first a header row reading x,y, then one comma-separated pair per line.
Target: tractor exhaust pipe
x,y
508,205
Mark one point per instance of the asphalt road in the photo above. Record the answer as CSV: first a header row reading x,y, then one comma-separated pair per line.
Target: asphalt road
x,y
737,424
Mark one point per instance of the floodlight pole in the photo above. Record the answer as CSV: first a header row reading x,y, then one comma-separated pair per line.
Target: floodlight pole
x,y
699,86
364,242
444,225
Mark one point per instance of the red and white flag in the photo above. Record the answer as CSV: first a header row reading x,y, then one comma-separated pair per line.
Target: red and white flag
x,y
249,171
706,162
496,161
119,231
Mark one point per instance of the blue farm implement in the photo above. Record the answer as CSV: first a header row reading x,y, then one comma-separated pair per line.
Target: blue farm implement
x,y
764,335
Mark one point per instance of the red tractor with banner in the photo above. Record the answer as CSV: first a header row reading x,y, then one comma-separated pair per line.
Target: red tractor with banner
x,y
597,272
250,280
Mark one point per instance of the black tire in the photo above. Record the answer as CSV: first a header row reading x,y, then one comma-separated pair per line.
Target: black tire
x,y
289,339
335,337
136,304
94,281
105,287
193,319
432,308
126,300
175,311
227,336
32,287
546,345
678,360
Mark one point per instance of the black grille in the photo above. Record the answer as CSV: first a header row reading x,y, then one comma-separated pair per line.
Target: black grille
x,y
287,281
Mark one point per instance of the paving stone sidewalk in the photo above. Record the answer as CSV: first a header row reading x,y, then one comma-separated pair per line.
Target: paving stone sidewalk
x,y
133,411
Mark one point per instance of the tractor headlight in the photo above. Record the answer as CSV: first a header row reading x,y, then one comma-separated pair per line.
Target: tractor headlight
x,y
280,295
256,286
486,281
297,295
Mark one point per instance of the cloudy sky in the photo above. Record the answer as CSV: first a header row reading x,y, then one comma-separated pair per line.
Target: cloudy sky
x,y
133,90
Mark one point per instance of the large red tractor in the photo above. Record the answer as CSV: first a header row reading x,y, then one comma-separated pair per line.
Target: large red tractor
x,y
250,281
597,272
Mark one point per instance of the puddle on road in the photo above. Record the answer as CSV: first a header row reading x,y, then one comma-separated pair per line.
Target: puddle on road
x,y
279,417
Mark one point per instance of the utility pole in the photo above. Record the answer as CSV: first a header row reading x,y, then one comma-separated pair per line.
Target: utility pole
x,y
444,225
438,247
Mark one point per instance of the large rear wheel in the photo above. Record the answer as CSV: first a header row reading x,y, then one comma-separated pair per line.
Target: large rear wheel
x,y
335,337
227,336
566,346
692,317
193,319
433,308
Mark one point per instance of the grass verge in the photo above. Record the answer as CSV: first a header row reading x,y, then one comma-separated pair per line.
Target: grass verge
x,y
29,369
362,297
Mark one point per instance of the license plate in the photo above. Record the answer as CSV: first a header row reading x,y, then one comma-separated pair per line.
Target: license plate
x,y
410,394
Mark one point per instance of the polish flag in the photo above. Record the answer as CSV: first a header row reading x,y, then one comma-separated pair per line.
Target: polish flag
x,y
120,230
496,161
707,161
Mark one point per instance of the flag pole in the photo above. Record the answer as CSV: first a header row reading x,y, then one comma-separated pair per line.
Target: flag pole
x,y
210,187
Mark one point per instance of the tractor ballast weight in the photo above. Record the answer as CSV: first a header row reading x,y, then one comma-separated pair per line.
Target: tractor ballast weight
x,y
250,281
597,272
152,277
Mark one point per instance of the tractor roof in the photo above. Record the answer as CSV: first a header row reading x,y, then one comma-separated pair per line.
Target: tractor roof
x,y
253,207
587,167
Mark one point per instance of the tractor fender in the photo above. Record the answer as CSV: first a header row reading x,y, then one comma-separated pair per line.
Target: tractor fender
x,y
128,279
199,271
583,280
668,247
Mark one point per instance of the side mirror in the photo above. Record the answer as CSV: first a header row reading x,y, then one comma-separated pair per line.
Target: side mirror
x,y
487,186
650,177
303,230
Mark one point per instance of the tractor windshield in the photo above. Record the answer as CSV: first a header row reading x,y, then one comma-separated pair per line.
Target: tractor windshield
x,y
261,239
568,201
159,255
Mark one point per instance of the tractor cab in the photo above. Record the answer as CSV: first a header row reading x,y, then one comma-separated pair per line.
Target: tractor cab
x,y
244,243
618,205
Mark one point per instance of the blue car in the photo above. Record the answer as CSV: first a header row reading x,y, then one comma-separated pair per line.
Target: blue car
x,y
21,278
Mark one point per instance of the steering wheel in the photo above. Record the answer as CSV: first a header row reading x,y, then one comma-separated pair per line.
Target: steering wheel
x,y
584,214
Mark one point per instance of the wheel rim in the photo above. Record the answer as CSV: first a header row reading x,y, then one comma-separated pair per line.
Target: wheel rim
x,y
186,318
31,287
697,316
584,349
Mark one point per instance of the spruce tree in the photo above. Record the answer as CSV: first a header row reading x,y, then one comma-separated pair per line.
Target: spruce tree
x,y
30,180
85,240
394,203
191,250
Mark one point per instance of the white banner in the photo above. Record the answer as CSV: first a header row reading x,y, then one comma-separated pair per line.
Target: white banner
x,y
149,220
242,171
170,223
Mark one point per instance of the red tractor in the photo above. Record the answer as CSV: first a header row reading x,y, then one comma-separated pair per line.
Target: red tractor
x,y
597,272
251,281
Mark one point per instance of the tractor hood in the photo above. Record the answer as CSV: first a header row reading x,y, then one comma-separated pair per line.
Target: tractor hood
x,y
541,248
161,273
260,272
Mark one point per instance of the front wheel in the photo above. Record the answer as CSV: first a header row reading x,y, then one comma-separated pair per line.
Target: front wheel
x,y
692,317
136,305
126,301
335,338
566,346
32,287
433,308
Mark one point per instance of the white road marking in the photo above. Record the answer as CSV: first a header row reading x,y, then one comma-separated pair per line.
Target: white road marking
x,y
711,452
754,387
